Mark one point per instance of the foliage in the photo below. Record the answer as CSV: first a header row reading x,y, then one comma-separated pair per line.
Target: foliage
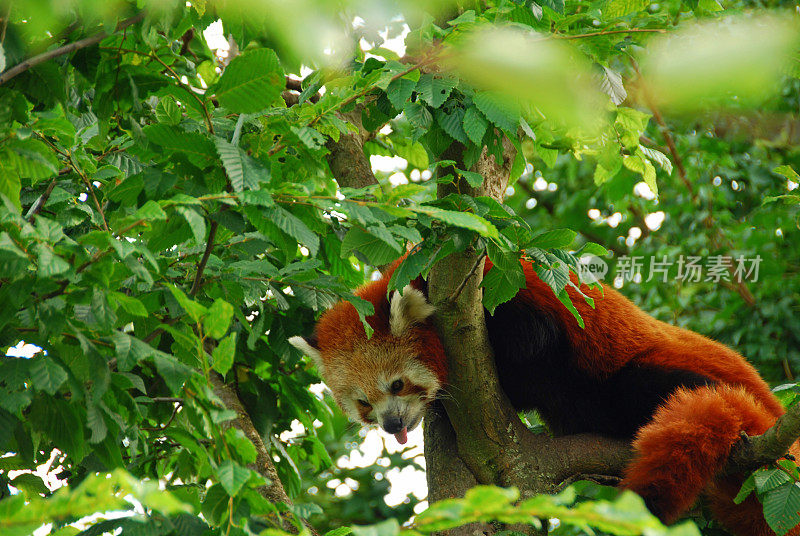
x,y
167,217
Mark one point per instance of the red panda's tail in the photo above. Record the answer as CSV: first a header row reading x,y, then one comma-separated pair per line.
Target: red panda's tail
x,y
680,450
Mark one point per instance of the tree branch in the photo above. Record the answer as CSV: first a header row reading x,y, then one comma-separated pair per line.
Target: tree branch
x,y
751,453
273,491
66,49
201,266
348,163
42,201
457,292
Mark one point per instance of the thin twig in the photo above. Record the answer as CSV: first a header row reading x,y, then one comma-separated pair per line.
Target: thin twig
x,y
189,90
752,452
609,32
4,23
212,233
80,172
89,186
457,292
42,201
66,49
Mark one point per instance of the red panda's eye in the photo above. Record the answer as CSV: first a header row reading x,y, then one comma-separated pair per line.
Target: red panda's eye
x,y
396,386
364,403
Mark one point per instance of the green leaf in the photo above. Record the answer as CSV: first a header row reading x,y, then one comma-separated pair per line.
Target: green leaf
x,y
707,65
545,76
466,220
590,248
46,374
620,8
130,304
788,172
748,486
218,318
390,527
658,157
339,531
415,153
310,137
10,185
102,311
150,211
197,147
474,179
640,164
630,124
256,197
710,5
399,91
293,226
564,298
224,353
767,480
556,238
96,423
475,125
434,90
497,110
782,507
197,223
504,280
32,159
375,248
49,264
251,82
239,442
451,122
555,5
232,476
172,371
418,114
195,310
168,111
30,483
412,266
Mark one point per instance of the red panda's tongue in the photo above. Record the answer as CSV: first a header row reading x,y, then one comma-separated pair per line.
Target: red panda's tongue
x,y
402,436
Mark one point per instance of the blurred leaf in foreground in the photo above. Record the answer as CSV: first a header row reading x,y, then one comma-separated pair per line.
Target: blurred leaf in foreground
x,y
538,71
733,60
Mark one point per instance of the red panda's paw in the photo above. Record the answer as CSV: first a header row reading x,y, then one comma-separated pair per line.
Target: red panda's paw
x,y
688,439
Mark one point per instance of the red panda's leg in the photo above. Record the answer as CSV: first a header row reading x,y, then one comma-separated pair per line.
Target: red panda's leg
x,y
689,437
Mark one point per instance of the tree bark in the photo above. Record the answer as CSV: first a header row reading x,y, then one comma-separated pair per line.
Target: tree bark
x,y
349,165
273,491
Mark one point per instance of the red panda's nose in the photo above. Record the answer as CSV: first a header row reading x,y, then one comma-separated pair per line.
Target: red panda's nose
x,y
393,425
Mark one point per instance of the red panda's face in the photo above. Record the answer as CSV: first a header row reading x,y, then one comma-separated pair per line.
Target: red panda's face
x,y
381,380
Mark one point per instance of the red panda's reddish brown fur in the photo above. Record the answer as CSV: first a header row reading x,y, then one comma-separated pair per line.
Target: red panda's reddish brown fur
x,y
688,435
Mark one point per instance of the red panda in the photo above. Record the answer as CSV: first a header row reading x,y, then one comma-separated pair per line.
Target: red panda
x,y
682,398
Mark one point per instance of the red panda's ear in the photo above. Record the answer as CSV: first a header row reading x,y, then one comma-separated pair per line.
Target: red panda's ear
x,y
410,308
309,347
